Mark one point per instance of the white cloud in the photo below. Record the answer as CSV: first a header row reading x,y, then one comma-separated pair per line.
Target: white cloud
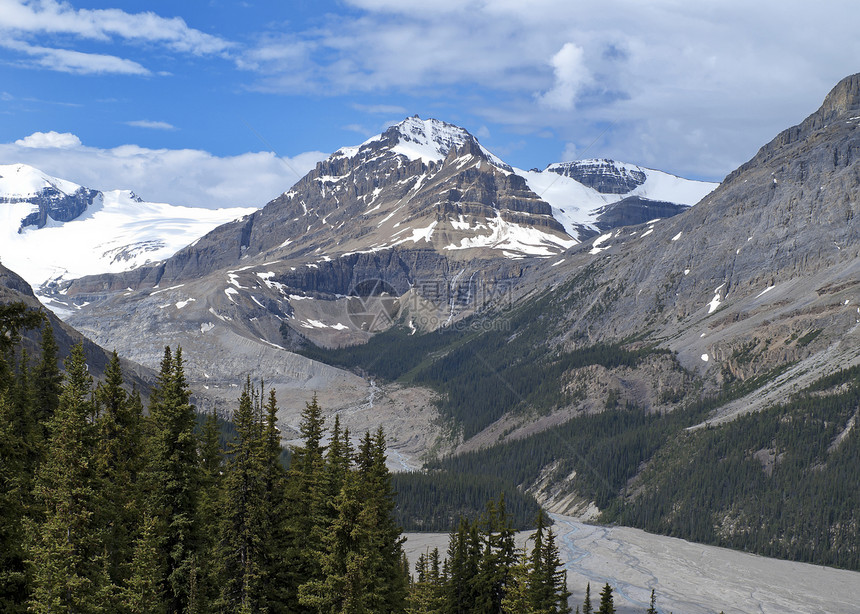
x,y
655,73
188,177
51,17
77,62
571,74
380,109
152,125
569,153
21,22
49,140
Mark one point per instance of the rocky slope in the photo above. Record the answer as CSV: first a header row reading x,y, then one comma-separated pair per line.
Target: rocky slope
x,y
14,289
420,225
763,273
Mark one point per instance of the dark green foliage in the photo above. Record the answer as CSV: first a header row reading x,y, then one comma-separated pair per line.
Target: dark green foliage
x,y
172,478
605,450
361,550
652,606
388,355
67,553
780,482
434,500
606,602
119,462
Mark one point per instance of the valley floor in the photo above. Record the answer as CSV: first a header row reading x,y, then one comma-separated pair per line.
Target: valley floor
x,y
689,578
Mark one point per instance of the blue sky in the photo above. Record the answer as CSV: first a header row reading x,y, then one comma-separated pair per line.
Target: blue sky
x,y
223,103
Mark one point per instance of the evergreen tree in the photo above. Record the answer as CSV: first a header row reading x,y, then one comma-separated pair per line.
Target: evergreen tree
x,y
306,508
47,379
69,574
172,480
497,558
606,605
23,437
586,605
361,562
13,504
272,531
119,461
554,578
426,594
463,562
242,514
143,593
652,607
517,599
211,462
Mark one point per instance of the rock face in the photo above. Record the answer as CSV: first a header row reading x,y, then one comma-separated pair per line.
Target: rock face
x,y
58,206
49,198
635,210
605,176
764,272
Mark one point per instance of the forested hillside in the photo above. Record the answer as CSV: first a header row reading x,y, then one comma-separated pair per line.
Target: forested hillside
x,y
107,508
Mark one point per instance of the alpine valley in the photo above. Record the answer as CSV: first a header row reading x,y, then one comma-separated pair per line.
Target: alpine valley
x,y
626,345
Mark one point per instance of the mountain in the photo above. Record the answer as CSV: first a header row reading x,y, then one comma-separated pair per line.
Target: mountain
x,y
591,195
420,224
423,208
54,230
697,376
14,289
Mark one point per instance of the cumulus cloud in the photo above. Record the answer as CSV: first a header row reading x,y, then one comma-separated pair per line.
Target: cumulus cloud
x,y
571,74
152,125
49,140
188,177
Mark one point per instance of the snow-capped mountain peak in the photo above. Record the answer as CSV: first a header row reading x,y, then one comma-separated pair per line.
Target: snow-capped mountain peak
x,y
52,229
22,181
428,140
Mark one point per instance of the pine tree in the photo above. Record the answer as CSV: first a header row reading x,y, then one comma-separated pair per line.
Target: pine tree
x,y
47,379
555,578
23,442
497,558
652,607
143,593
69,574
306,524
586,606
606,605
13,504
426,594
209,502
517,599
172,480
119,462
272,531
463,563
388,583
540,593
242,516
361,562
